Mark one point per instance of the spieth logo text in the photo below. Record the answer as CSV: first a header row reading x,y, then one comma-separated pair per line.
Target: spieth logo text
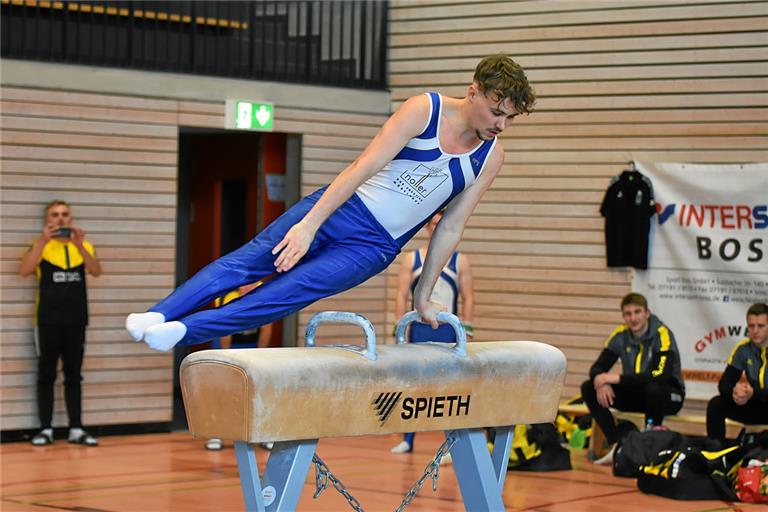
x,y
415,407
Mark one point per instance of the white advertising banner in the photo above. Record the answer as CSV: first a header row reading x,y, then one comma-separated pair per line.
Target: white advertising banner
x,y
707,261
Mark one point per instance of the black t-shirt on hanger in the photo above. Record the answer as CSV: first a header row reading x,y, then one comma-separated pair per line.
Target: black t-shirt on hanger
x,y
628,206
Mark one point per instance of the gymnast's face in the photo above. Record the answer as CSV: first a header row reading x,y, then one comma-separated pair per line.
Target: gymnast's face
x,y
492,113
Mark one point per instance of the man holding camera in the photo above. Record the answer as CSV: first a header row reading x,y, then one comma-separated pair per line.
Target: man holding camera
x,y
60,258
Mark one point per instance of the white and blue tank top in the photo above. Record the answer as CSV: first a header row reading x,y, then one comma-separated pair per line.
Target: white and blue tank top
x,y
422,179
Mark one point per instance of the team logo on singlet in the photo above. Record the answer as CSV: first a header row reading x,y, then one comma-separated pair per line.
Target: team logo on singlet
x,y
418,183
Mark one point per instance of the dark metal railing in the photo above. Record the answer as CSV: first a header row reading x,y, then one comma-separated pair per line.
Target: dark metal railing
x,y
339,43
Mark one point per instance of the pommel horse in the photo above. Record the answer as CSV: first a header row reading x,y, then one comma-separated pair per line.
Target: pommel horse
x,y
295,396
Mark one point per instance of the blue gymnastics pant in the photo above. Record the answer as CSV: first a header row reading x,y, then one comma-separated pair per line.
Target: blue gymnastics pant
x,y
421,332
349,248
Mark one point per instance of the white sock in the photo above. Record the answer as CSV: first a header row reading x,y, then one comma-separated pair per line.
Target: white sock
x,y
607,459
137,323
164,336
403,447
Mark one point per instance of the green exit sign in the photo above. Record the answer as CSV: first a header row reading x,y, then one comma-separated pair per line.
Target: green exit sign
x,y
250,115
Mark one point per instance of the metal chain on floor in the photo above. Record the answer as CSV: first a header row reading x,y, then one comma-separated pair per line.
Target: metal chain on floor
x,y
431,471
323,475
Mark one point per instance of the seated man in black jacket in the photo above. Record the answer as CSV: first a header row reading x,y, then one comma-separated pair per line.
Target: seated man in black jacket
x,y
650,381
744,384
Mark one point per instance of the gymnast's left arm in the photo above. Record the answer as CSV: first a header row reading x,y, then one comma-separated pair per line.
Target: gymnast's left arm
x,y
448,234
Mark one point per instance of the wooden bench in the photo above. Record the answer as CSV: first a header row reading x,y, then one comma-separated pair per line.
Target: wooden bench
x,y
691,424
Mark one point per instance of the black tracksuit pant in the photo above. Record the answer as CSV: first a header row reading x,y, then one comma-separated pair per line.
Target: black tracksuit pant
x,y
68,343
719,408
654,399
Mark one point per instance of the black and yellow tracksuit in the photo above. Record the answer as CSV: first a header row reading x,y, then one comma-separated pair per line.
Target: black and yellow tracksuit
x,y
61,317
651,381
752,361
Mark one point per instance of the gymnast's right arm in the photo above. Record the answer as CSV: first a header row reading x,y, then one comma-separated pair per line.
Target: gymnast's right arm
x,y
407,122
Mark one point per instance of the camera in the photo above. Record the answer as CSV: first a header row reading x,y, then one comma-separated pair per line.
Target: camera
x,y
63,233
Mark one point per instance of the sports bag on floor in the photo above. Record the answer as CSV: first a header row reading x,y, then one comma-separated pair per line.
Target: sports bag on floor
x,y
693,474
644,449
537,448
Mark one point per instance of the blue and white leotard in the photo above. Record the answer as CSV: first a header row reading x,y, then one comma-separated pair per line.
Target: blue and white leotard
x,y
421,180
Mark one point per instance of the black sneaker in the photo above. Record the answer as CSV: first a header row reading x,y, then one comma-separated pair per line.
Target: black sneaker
x,y
43,438
80,436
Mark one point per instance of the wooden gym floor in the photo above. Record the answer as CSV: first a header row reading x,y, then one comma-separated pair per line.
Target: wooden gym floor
x,y
173,472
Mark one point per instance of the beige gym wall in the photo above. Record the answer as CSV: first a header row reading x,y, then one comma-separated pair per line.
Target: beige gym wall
x,y
106,140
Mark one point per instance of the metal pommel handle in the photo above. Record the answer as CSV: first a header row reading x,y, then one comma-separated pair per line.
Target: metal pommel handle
x,y
345,317
444,318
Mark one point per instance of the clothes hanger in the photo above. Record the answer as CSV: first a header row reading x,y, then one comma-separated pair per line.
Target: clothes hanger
x,y
632,169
